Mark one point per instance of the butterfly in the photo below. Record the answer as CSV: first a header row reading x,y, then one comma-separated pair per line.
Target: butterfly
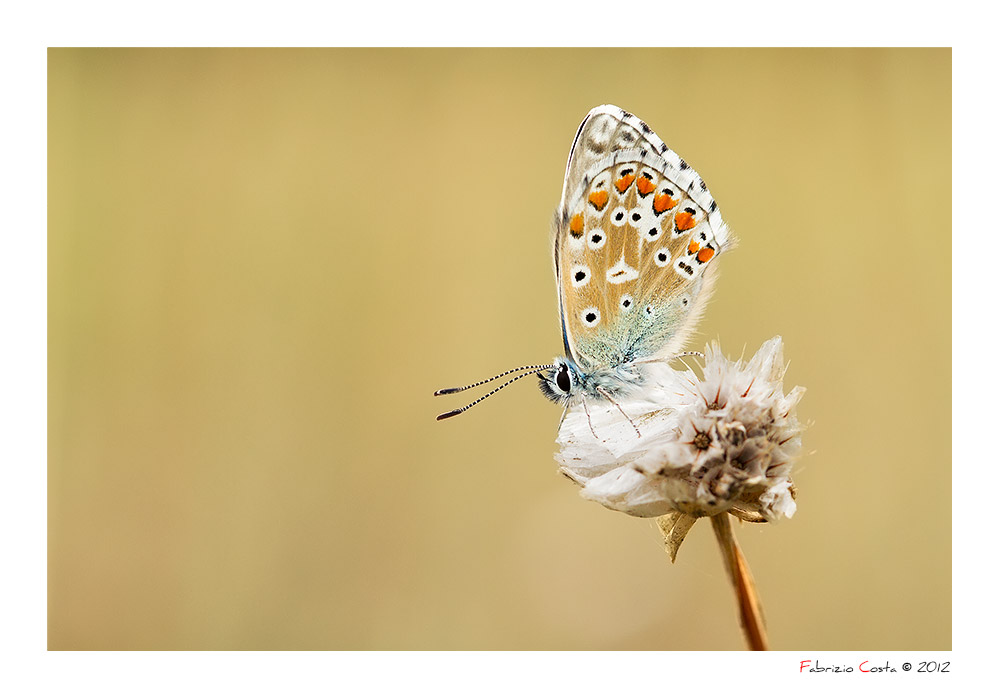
x,y
636,236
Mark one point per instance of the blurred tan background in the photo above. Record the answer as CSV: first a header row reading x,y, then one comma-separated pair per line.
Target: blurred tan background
x,y
263,262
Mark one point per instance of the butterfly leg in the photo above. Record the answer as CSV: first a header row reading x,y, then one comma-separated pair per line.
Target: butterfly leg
x,y
587,410
679,355
608,396
561,419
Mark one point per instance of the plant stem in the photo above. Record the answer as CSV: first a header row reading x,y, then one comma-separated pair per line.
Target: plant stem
x,y
751,615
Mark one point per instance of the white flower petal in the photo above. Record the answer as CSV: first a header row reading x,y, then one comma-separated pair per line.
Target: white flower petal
x,y
626,490
778,502
768,362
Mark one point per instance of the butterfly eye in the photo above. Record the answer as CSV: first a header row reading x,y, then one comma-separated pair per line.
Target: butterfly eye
x,y
562,379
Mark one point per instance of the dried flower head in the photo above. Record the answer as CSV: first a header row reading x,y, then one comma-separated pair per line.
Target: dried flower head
x,y
724,442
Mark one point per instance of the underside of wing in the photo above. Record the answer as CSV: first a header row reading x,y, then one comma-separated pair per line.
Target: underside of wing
x,y
637,230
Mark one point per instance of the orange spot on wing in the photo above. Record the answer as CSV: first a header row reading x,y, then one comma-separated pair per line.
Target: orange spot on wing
x,y
623,183
576,225
684,221
692,247
705,254
598,199
645,186
663,203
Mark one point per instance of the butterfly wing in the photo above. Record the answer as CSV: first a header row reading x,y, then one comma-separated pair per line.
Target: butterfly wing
x,y
636,233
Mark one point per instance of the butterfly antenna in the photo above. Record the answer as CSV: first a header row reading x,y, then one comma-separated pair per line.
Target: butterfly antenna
x,y
448,391
453,413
